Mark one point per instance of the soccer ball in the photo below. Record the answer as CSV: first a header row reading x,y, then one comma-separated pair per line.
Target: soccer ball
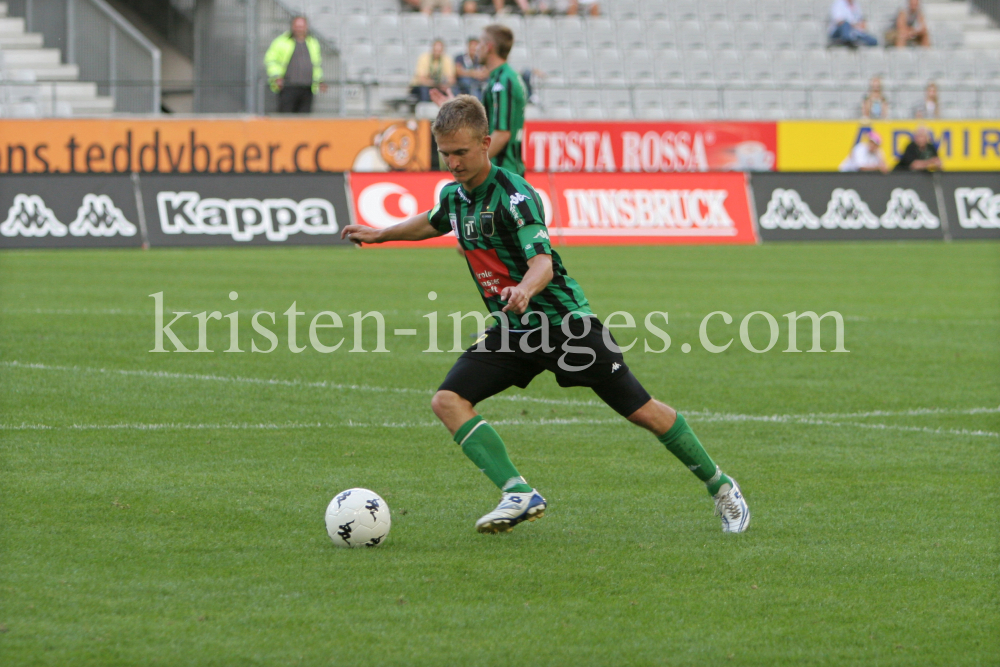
x,y
357,518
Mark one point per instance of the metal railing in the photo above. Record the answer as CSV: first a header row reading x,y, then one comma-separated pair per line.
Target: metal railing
x,y
106,48
989,7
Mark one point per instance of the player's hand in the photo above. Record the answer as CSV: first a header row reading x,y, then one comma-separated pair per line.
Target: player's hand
x,y
358,234
517,299
279,82
439,98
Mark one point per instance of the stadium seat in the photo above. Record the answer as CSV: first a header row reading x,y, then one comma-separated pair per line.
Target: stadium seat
x,y
720,36
904,103
520,57
739,104
394,66
760,67
770,104
961,67
816,69
770,11
958,104
707,104
513,21
640,68
540,35
474,23
875,63
699,69
580,70
570,32
631,35
988,70
656,11
715,10
587,104
685,10
601,35
679,105
752,37
553,69
617,103
934,66
691,37
781,36
846,67
989,104
796,102
352,7
448,23
661,37
809,36
649,104
558,104
729,68
904,67
611,69
624,10
831,104
669,68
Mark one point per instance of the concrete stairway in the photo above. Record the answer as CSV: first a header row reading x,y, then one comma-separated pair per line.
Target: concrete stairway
x,y
977,30
35,83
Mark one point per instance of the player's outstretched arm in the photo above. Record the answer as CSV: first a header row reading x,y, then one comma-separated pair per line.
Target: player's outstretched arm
x,y
416,228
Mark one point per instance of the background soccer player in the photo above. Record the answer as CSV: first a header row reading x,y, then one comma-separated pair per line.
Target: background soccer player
x,y
544,322
504,97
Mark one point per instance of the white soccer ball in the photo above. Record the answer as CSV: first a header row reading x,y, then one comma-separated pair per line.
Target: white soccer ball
x,y
357,518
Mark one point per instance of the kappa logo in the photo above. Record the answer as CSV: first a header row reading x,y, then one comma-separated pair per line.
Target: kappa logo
x,y
463,196
542,234
243,219
345,531
615,366
906,210
847,210
517,198
97,216
786,210
497,87
978,208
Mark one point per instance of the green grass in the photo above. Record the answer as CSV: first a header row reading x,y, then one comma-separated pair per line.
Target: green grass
x,y
201,541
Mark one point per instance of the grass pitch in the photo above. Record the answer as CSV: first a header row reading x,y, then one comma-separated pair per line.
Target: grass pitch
x,y
167,509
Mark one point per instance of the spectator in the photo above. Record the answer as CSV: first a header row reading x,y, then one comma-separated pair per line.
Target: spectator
x,y
910,27
469,71
847,25
294,68
428,6
587,6
874,104
500,6
435,69
929,108
866,154
411,5
921,154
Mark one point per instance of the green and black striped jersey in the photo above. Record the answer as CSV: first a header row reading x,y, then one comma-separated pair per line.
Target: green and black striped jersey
x,y
500,225
505,97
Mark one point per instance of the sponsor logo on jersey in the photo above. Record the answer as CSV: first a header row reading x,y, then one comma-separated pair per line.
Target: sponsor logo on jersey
x,y
542,234
243,219
978,208
469,229
464,197
489,271
96,216
453,219
497,87
486,223
615,366
517,198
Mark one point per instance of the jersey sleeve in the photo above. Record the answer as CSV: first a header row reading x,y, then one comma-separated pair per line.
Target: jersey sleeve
x,y
438,216
529,218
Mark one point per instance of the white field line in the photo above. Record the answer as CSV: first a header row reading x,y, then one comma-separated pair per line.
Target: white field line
x,y
818,419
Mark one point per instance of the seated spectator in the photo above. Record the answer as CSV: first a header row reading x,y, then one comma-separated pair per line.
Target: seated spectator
x,y
910,28
847,25
930,107
469,71
500,6
921,154
588,6
874,104
428,6
411,5
435,69
866,155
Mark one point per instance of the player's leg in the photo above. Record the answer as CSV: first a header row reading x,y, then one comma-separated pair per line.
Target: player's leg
x,y
625,393
469,382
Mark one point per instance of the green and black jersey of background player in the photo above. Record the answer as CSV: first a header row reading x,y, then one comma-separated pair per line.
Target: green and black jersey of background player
x,y
504,97
500,225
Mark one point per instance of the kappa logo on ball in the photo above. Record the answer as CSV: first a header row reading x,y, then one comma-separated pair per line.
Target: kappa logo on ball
x,y
243,219
978,208
97,216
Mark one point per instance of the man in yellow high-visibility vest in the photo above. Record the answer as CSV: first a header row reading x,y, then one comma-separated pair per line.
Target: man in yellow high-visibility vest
x,y
294,68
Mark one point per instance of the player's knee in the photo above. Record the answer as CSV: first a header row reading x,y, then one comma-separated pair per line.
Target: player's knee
x,y
446,402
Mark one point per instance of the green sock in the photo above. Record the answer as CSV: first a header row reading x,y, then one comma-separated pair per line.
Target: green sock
x,y
485,448
681,441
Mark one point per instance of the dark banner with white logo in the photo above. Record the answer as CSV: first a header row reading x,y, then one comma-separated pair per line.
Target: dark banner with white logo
x,y
973,204
68,211
244,210
855,206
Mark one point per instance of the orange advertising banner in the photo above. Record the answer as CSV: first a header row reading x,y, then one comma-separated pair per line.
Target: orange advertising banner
x,y
197,145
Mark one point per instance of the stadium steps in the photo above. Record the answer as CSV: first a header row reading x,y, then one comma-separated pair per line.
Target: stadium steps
x,y
34,82
977,30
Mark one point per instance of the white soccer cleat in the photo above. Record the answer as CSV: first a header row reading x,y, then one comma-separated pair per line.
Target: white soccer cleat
x,y
512,510
732,507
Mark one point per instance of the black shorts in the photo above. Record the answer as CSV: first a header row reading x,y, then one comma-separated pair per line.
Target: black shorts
x,y
582,359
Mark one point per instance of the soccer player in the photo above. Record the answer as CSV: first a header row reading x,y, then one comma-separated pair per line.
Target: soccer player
x,y
504,97
544,322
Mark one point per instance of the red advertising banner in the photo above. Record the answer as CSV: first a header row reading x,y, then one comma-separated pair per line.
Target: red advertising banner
x,y
613,209
649,147
587,209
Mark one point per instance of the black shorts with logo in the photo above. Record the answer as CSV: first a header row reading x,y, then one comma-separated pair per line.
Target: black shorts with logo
x,y
582,359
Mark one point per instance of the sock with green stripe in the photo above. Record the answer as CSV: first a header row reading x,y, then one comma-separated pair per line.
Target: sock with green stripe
x,y
681,441
485,448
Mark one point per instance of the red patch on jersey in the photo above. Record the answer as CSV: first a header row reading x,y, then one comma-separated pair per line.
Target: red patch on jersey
x,y
490,272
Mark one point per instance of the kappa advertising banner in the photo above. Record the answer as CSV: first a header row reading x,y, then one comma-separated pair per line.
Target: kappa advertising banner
x,y
963,145
973,204
383,200
855,206
68,212
245,210
588,209
649,147
245,145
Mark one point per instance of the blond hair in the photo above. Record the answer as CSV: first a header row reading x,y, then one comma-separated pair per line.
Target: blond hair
x,y
463,111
